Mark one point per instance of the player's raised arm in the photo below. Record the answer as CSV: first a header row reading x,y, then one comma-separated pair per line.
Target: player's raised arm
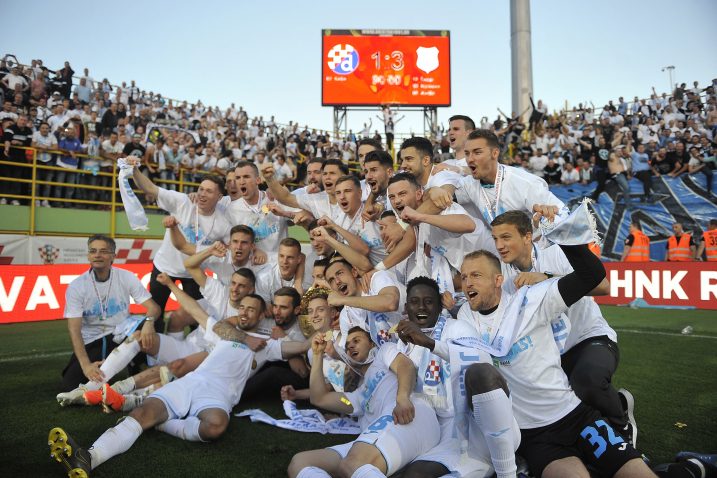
x,y
278,190
142,181
318,393
187,302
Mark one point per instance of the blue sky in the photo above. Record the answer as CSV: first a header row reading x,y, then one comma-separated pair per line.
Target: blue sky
x,y
266,55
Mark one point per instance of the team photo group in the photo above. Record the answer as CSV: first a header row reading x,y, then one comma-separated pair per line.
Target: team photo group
x,y
444,311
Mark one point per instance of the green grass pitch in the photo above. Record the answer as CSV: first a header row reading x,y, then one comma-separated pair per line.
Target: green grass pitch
x,y
673,378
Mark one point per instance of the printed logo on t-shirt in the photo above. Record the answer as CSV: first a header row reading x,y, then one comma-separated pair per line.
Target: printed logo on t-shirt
x,y
114,307
519,347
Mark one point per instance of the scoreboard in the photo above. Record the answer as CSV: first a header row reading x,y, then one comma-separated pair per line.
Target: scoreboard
x,y
379,67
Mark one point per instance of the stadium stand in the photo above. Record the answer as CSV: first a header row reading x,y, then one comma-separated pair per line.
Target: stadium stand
x,y
630,156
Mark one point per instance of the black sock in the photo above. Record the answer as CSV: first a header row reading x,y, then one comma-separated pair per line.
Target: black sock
x,y
683,469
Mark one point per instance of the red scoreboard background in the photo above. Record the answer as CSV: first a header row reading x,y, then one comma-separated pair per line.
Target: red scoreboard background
x,y
377,67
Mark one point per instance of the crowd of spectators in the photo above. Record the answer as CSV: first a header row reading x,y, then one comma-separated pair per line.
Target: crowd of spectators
x,y
90,123
665,134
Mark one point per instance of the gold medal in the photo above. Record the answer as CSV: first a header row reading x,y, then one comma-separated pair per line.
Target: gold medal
x,y
265,209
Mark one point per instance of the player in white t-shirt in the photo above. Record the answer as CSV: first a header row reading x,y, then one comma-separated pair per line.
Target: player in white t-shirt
x,y
319,317
286,271
492,188
417,159
377,310
284,325
459,126
195,407
587,343
220,259
319,204
361,235
396,427
312,179
558,431
97,312
253,209
377,170
200,223
451,234
430,328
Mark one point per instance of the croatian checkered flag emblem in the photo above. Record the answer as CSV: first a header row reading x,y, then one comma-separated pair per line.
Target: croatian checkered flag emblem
x,y
343,59
433,373
49,254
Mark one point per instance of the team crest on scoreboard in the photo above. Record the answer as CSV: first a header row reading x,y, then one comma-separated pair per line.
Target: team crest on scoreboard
x,y
343,59
427,58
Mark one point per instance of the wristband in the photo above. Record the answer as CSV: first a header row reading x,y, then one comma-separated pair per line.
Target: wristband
x,y
380,266
548,275
149,319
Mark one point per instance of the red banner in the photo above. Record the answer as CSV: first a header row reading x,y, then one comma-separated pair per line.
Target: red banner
x,y
685,284
37,292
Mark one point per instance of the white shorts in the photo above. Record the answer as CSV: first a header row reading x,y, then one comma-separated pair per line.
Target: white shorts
x,y
189,395
171,348
399,444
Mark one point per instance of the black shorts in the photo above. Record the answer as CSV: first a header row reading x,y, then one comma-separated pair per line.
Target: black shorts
x,y
582,433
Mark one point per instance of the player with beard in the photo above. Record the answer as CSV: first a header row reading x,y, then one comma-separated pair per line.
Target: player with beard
x,y
178,356
396,426
222,260
313,177
451,233
195,407
558,432
181,355
254,209
319,204
377,170
284,325
417,159
287,271
430,327
377,310
493,188
587,343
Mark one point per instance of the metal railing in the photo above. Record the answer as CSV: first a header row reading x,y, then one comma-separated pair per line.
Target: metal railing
x,y
34,184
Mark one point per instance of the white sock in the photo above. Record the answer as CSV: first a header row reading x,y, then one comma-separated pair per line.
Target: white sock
x,y
186,429
132,401
312,472
368,471
144,391
114,441
177,335
119,358
124,386
493,412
